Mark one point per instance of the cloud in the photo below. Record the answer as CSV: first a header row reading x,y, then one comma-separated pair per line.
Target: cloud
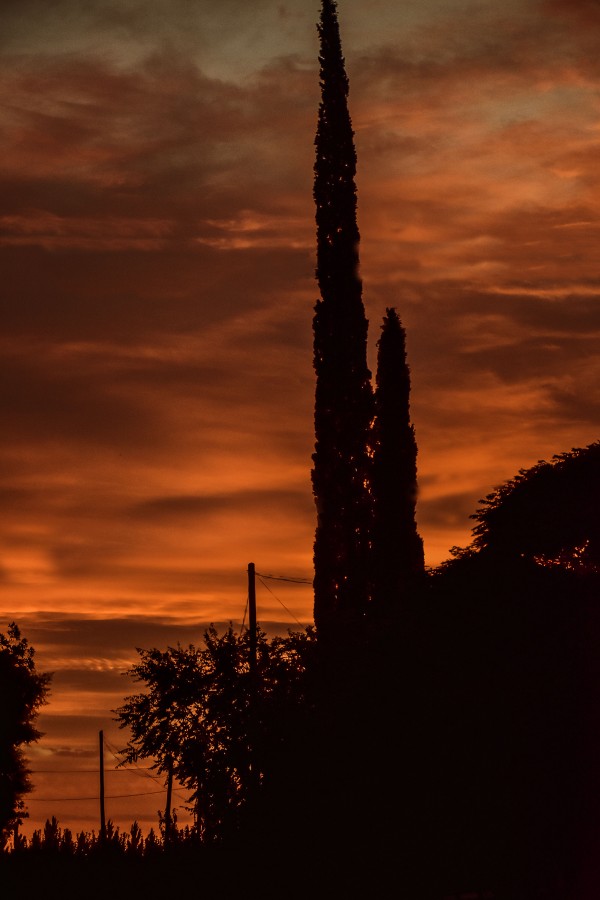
x,y
198,506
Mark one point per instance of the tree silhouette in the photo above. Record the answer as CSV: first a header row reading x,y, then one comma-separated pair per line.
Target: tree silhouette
x,y
219,726
548,513
397,546
509,632
344,397
194,717
22,692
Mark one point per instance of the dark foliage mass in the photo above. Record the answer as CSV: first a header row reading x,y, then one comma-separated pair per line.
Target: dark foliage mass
x,y
461,759
22,692
548,513
483,717
506,675
57,863
367,549
398,557
344,397
217,723
507,654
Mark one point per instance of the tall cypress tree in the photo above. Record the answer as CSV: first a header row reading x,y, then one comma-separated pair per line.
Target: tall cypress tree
x,y
344,397
397,546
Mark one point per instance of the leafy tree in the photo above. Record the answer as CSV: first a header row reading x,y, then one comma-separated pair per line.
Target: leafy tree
x,y
548,513
216,724
512,625
22,692
344,397
397,546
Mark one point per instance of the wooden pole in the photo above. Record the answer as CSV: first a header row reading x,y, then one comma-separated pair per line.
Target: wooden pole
x,y
199,801
252,783
168,822
252,614
102,814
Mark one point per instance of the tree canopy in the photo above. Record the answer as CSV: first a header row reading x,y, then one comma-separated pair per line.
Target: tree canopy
x,y
547,513
23,691
216,722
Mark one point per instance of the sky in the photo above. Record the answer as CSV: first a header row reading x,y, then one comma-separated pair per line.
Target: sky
x,y
157,245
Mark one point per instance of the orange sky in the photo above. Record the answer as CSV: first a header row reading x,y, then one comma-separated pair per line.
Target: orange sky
x,y
157,249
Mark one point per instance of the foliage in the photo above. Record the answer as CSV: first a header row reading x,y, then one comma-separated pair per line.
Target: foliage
x,y
53,840
22,692
512,625
131,864
398,548
548,513
344,397
205,713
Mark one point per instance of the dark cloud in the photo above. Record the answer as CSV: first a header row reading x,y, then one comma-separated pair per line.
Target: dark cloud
x,y
60,635
514,335
503,47
70,752
294,503
124,298
449,511
162,136
41,402
68,729
583,13
70,638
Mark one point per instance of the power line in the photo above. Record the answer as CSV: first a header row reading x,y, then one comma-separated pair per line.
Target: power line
x,y
143,771
288,611
135,770
285,578
81,771
108,797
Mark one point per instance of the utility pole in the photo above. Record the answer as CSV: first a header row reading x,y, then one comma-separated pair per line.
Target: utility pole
x,y
102,815
253,772
252,615
168,822
199,800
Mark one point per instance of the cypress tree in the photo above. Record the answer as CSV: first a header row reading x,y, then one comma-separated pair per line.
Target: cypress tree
x,y
397,547
344,397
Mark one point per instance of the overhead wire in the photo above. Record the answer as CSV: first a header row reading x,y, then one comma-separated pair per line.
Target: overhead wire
x,y
107,797
81,771
144,772
285,578
288,611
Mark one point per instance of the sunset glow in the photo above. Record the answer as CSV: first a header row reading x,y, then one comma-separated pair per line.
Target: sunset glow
x,y
157,246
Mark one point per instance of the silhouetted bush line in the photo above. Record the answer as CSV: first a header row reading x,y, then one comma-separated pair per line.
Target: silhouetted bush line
x,y
127,865
53,840
57,862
